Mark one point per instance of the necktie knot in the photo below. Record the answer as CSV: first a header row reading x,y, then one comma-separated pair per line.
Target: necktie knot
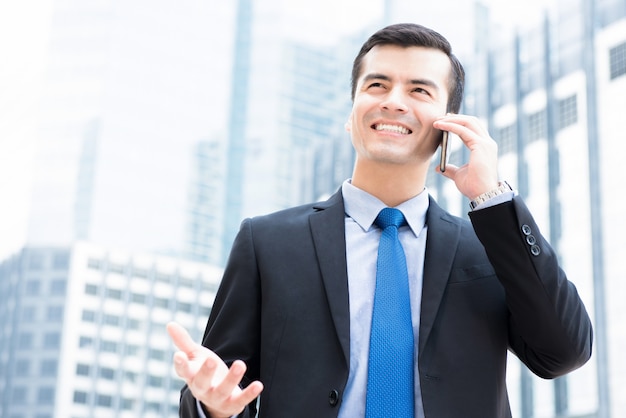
x,y
390,217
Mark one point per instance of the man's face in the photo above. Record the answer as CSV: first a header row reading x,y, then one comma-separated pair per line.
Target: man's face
x,y
399,94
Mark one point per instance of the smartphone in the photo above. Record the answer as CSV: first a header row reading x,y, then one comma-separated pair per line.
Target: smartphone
x,y
445,150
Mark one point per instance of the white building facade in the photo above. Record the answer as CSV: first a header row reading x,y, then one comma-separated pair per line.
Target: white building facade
x,y
83,331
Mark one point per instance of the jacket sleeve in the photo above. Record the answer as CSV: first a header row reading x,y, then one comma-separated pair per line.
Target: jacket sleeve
x,y
232,330
549,328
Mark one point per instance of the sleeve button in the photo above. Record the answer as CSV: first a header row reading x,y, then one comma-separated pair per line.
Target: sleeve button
x,y
526,229
333,398
535,250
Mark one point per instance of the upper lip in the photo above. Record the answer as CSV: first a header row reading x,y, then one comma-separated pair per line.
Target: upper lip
x,y
391,123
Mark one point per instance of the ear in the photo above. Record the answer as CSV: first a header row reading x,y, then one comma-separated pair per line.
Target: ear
x,y
348,125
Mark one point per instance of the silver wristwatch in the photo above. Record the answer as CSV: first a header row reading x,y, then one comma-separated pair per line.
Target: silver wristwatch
x,y
503,187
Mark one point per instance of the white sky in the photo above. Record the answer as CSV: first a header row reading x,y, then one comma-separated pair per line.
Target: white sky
x,y
24,27
344,16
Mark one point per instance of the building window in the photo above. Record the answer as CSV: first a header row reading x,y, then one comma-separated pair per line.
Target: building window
x,y
18,395
107,373
45,396
617,61
568,111
134,324
28,314
116,268
130,376
211,287
152,407
52,340
80,397
108,346
104,401
156,354
205,311
94,264
161,303
35,261
155,381
55,313
164,278
89,316
91,289
138,298
537,126
25,341
128,404
114,294
32,287
61,261
185,282
141,273
22,368
82,370
48,367
184,307
132,350
505,138
57,287
85,342
112,320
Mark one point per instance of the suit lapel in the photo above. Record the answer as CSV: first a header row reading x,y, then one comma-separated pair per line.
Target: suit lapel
x,y
328,231
441,244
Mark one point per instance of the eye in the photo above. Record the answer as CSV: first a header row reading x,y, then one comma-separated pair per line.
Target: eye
x,y
421,91
376,85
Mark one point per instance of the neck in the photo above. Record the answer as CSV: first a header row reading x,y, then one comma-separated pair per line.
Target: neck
x,y
391,183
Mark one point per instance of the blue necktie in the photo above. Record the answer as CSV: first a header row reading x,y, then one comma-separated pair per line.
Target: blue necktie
x,y
390,390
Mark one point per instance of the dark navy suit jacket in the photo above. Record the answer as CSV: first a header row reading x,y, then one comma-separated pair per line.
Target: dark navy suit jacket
x,y
490,285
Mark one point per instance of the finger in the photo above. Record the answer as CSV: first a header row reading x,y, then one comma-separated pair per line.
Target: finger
x,y
450,172
250,393
467,128
182,367
204,379
235,398
470,122
231,380
181,338
236,402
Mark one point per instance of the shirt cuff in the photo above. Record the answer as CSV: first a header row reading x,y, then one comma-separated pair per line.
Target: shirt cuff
x,y
200,410
496,200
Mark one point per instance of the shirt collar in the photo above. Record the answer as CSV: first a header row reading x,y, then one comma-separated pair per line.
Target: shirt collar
x,y
363,207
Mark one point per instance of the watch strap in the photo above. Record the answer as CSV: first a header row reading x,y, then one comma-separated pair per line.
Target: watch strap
x,y
503,187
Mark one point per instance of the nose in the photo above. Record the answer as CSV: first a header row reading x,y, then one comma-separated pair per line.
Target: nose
x,y
394,101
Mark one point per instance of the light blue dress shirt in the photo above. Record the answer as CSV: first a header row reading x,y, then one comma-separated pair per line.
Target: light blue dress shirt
x,y
362,238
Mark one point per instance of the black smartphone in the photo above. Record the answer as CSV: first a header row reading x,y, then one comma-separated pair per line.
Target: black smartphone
x,y
445,150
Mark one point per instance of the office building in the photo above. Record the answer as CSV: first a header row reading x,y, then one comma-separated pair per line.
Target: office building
x,y
82,330
552,96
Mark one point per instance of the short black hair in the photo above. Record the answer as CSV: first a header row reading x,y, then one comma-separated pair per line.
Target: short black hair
x,y
411,34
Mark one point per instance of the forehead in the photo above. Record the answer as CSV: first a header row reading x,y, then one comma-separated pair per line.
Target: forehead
x,y
413,62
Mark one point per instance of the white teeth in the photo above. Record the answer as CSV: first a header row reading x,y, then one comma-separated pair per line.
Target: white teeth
x,y
392,128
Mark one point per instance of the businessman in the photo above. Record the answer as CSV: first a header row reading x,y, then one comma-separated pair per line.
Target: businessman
x,y
312,319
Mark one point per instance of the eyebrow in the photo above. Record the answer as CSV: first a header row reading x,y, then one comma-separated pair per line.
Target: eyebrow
x,y
416,81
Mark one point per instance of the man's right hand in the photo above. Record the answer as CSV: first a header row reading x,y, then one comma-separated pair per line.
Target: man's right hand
x,y
208,378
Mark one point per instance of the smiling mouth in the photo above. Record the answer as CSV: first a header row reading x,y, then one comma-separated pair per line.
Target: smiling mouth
x,y
396,129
